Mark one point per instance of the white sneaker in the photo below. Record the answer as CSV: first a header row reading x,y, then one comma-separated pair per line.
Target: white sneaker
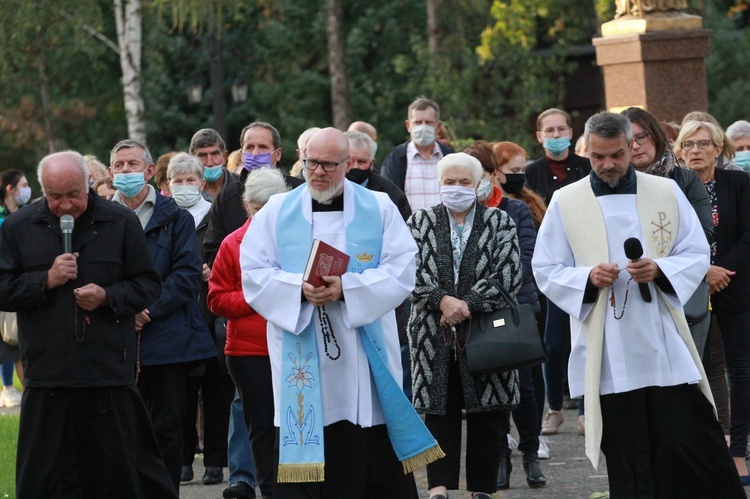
x,y
543,447
512,444
10,397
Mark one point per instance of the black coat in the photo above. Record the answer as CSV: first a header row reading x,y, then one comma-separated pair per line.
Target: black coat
x,y
541,180
733,239
379,183
61,344
228,214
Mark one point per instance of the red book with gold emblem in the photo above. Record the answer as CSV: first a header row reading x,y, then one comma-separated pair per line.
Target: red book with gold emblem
x,y
324,259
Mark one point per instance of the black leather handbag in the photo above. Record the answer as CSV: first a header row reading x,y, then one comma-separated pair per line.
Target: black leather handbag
x,y
505,339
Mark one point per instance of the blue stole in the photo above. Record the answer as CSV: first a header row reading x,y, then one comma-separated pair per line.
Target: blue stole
x,y
301,446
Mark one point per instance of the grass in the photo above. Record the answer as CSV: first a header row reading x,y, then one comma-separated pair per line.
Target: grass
x,y
8,440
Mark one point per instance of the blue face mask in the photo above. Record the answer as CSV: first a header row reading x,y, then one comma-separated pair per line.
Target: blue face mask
x,y
212,173
129,184
556,146
742,159
254,161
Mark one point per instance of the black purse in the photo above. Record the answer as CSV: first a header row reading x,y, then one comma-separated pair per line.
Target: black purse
x,y
505,339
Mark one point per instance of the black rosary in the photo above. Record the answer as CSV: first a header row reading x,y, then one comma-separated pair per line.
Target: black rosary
x,y
327,330
625,302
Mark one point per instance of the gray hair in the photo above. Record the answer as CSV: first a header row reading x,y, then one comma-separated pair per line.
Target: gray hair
x,y
183,163
263,183
463,161
127,144
608,126
77,158
304,137
206,137
359,140
738,130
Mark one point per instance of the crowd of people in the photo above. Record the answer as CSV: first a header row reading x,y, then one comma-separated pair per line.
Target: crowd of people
x,y
172,316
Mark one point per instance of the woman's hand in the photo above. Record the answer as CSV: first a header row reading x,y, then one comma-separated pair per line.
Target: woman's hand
x,y
718,278
454,310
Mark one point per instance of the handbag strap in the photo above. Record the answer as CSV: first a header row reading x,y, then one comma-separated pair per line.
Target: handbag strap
x,y
512,305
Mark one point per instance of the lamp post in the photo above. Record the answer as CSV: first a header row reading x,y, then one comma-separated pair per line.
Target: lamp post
x,y
239,90
194,87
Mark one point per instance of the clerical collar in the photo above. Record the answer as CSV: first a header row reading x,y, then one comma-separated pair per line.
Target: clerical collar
x,y
335,204
626,185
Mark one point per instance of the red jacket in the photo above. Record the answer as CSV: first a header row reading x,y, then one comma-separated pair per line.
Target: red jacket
x,y
246,329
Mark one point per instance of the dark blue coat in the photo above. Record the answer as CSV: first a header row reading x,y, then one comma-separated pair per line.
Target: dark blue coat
x,y
520,213
177,332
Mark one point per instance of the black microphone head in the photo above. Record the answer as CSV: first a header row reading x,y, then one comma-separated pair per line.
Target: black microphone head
x,y
633,248
67,223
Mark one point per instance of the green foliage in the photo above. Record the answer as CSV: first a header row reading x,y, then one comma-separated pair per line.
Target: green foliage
x,y
728,85
8,442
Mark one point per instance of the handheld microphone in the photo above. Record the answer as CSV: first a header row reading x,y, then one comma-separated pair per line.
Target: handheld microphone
x,y
634,252
66,225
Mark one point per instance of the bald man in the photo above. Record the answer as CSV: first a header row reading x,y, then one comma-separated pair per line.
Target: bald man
x,y
321,333
84,430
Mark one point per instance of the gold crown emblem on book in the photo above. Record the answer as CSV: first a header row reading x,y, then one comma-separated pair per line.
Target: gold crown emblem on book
x,y
365,257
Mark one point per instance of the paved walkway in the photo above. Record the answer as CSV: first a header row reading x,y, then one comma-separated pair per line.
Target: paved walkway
x,y
569,474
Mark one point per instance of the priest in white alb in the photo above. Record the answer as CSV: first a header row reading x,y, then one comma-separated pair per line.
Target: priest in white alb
x,y
648,405
345,427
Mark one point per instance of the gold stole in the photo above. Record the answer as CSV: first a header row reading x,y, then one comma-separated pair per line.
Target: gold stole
x,y
586,231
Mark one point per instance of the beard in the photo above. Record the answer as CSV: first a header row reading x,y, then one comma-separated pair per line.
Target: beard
x,y
325,195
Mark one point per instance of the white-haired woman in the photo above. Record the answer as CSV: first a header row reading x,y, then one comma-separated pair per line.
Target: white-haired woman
x,y
462,244
246,346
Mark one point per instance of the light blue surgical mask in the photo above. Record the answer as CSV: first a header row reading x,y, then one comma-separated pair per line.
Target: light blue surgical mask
x,y
213,173
742,159
556,146
484,190
129,184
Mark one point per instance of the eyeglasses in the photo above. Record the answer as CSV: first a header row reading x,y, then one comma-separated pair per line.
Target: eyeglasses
x,y
641,138
328,166
702,144
562,130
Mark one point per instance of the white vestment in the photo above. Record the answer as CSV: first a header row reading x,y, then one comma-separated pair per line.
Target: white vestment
x,y
347,389
643,348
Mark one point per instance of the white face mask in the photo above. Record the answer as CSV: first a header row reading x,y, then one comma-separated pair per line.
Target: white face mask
x,y
186,195
24,194
456,198
484,190
422,135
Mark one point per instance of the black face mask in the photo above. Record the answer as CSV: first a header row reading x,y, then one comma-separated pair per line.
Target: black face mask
x,y
359,176
514,182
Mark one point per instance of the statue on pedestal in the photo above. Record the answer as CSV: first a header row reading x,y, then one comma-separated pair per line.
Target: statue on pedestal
x,y
639,8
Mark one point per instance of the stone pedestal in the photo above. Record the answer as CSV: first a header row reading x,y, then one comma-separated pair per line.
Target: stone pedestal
x,y
662,72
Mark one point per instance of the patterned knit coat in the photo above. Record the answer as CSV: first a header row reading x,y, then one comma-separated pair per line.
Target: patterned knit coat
x,y
492,251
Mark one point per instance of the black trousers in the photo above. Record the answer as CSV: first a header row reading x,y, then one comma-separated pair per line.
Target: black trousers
x,y
252,375
664,442
88,443
360,464
163,390
217,392
525,416
484,433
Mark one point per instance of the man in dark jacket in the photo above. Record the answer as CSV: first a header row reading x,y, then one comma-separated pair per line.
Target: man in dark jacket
x,y
412,165
208,146
173,336
362,154
84,429
261,146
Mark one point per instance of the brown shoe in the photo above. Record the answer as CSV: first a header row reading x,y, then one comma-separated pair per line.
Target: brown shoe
x,y
581,424
552,422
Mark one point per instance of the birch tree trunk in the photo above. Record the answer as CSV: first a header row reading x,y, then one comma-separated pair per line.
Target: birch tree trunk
x,y
433,23
340,104
129,36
